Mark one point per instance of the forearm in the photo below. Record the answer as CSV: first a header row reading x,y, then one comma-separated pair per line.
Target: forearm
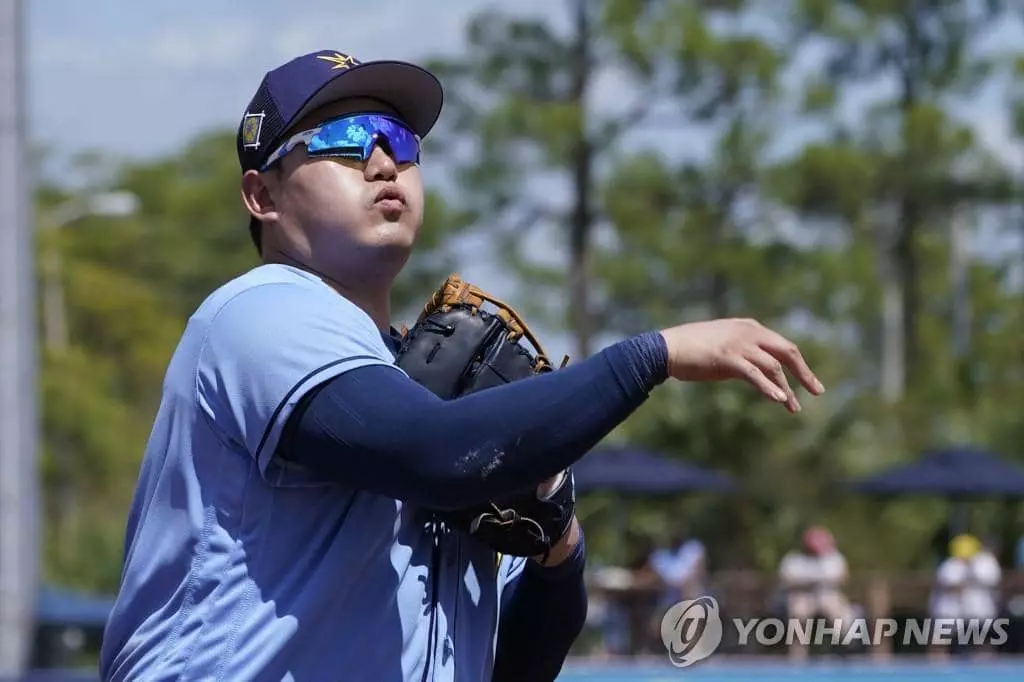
x,y
543,612
375,429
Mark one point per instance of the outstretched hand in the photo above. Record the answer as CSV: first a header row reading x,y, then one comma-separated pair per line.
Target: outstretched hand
x,y
719,350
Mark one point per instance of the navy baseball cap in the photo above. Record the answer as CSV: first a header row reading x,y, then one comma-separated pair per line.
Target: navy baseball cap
x,y
292,90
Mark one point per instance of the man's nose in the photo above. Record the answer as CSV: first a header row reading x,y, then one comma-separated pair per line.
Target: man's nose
x,y
380,165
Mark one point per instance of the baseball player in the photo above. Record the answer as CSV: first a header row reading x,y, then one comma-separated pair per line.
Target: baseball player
x,y
277,531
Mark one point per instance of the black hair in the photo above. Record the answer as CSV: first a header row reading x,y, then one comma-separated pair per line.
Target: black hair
x,y
256,233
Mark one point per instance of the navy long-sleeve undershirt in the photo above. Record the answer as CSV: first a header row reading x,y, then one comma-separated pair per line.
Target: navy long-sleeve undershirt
x,y
543,611
375,429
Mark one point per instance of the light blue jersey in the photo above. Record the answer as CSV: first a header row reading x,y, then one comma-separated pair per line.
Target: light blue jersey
x,y
241,567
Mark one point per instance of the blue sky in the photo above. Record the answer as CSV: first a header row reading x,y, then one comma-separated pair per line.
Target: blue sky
x,y
141,78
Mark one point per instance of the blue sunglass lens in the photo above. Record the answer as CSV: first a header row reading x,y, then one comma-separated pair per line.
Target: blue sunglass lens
x,y
355,137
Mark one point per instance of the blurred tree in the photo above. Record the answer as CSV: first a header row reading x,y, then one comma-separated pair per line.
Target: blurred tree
x,y
654,120
920,208
902,167
905,184
722,178
695,237
529,145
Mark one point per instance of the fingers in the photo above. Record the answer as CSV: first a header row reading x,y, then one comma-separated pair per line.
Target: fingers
x,y
772,369
756,376
767,363
786,352
740,348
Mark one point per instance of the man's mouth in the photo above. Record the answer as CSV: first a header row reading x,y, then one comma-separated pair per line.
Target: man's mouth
x,y
390,198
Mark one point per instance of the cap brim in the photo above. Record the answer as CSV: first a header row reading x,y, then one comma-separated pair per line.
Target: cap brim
x,y
413,92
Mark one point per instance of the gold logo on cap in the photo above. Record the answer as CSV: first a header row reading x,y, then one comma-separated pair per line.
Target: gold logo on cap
x,y
340,61
252,126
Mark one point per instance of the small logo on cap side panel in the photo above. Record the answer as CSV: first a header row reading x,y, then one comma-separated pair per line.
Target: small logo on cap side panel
x,y
252,126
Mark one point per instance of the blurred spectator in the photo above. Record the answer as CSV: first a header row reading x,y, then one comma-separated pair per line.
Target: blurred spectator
x,y
811,579
966,582
1019,556
682,567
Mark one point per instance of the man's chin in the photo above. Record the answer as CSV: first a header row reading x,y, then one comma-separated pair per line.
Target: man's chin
x,y
384,246
389,236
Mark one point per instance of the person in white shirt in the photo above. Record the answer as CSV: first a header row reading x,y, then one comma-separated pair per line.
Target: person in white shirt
x,y
965,585
966,582
812,578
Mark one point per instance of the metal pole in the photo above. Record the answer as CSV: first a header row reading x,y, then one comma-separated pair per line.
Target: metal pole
x,y
18,393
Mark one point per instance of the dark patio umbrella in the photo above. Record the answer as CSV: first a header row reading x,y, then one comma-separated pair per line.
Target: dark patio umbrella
x,y
630,470
955,472
640,473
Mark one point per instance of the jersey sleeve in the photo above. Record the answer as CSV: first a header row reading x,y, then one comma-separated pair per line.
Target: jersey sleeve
x,y
266,347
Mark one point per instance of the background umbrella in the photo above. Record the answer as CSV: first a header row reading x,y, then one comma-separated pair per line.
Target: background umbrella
x,y
958,473
634,471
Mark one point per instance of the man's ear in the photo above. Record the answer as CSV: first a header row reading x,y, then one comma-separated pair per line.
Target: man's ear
x,y
257,197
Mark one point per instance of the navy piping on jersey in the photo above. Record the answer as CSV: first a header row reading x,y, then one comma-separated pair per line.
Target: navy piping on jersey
x,y
296,387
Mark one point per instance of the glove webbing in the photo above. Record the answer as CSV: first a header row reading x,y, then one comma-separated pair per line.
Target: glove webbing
x,y
457,291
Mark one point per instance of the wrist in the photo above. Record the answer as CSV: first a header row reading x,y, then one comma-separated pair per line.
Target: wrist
x,y
564,548
654,357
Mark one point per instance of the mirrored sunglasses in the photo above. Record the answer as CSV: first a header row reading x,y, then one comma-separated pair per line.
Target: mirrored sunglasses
x,y
353,137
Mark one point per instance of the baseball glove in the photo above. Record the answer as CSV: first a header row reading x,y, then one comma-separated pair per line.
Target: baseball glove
x,y
456,347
